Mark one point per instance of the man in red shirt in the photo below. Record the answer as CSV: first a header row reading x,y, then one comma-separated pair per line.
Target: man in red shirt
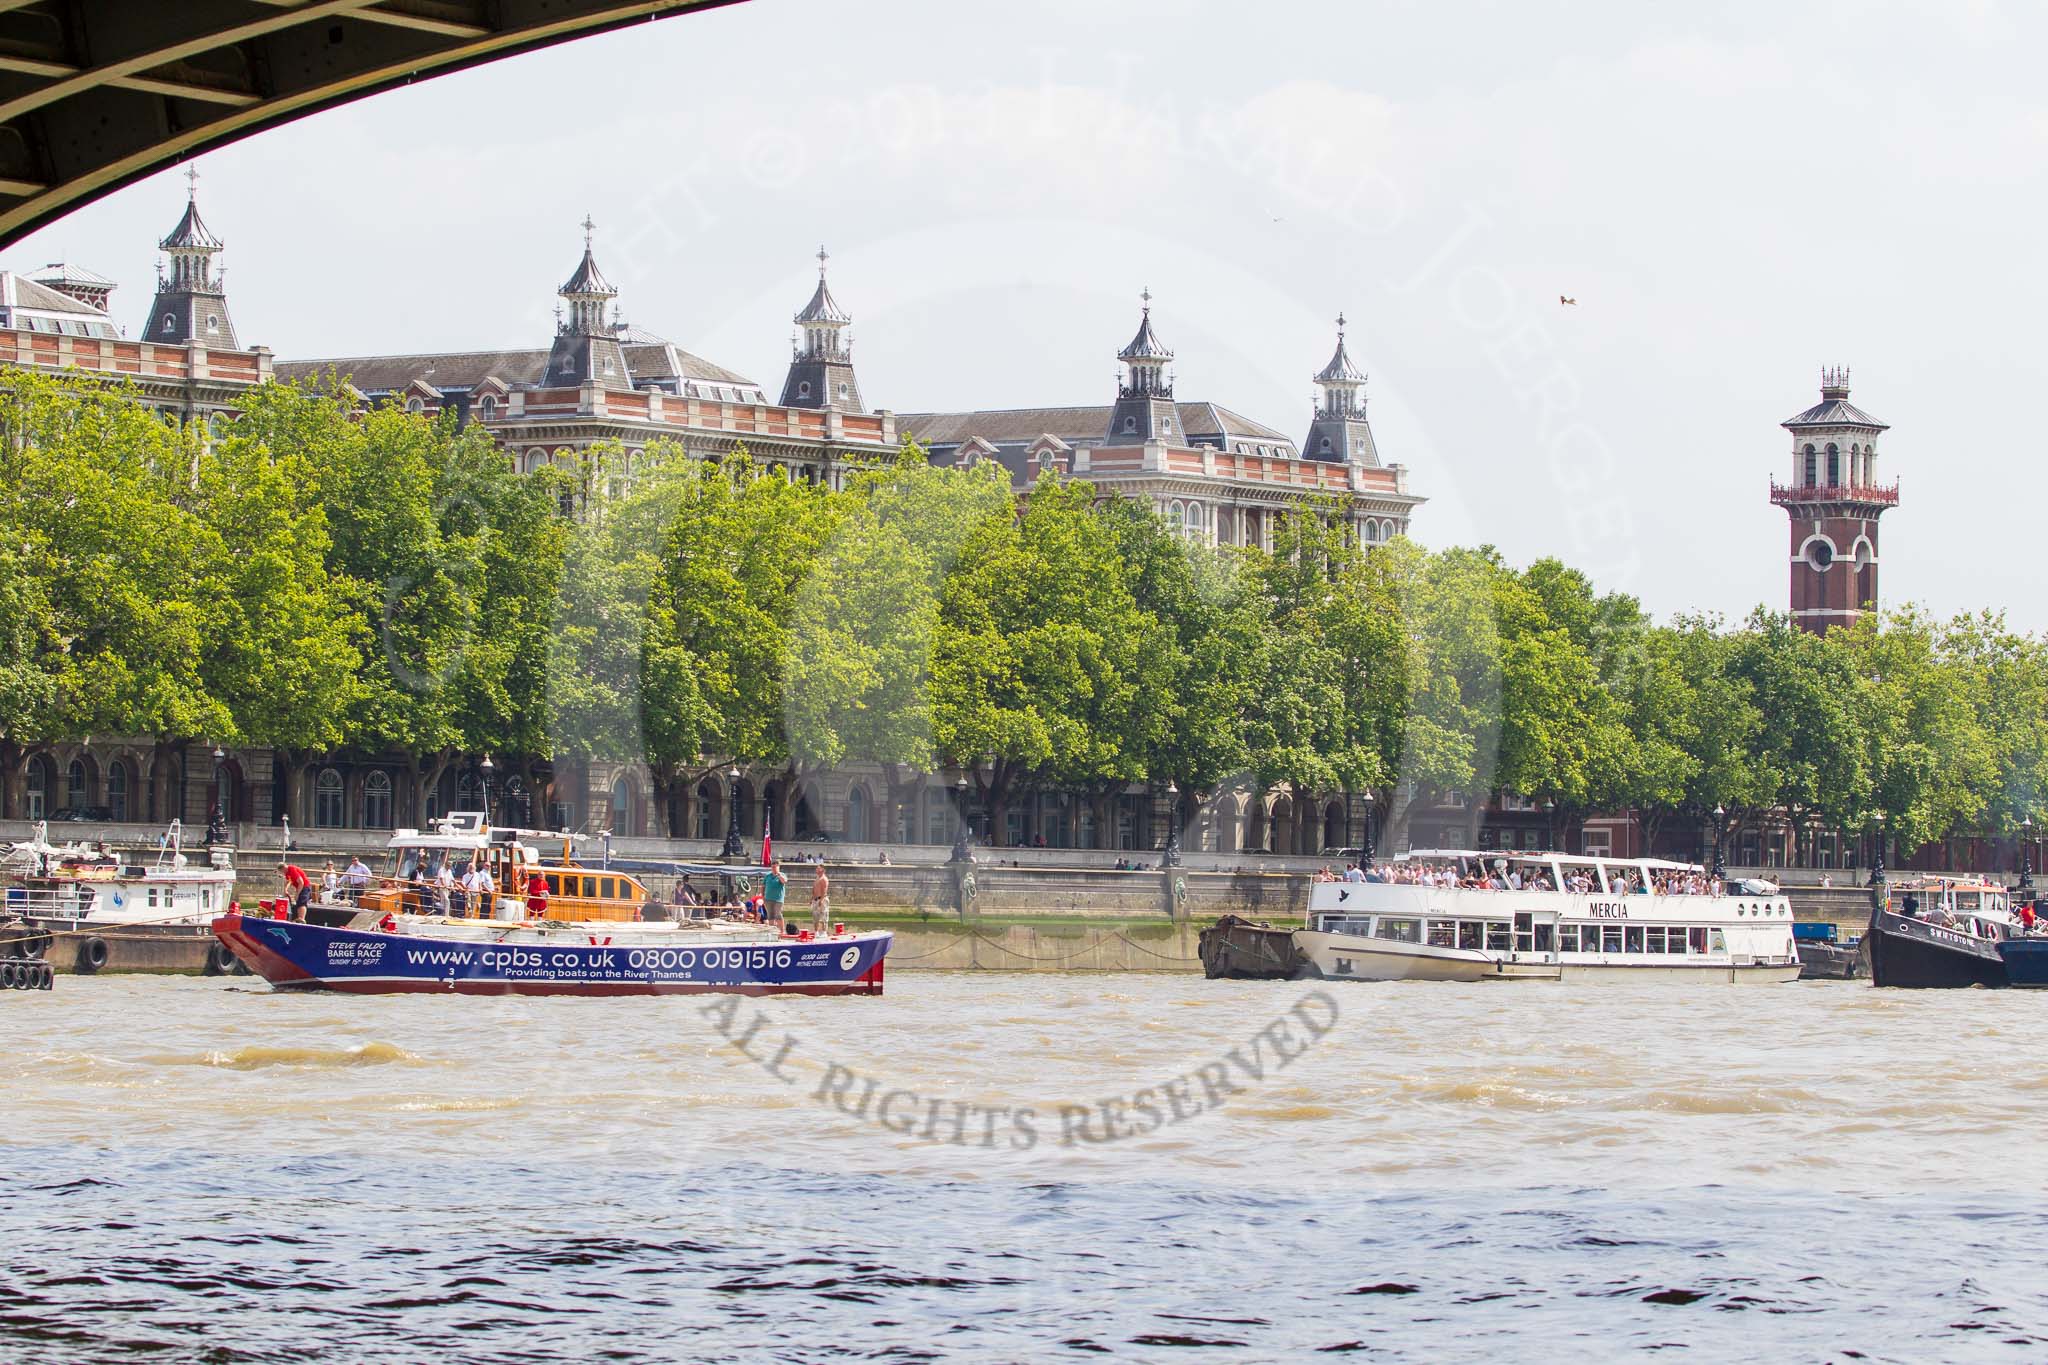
x,y
299,887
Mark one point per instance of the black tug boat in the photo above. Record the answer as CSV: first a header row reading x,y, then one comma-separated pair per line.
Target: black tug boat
x,y
1910,951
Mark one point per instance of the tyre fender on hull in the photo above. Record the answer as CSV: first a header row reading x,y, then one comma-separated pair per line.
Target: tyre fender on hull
x,y
92,955
221,960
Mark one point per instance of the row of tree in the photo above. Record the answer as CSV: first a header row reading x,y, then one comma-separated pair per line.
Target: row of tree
x,y
314,580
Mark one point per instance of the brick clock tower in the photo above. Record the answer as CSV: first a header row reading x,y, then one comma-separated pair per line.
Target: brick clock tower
x,y
1834,501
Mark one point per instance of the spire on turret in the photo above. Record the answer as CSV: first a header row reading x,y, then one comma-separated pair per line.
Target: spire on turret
x,y
1144,408
191,296
1342,383
587,291
1340,432
586,348
821,369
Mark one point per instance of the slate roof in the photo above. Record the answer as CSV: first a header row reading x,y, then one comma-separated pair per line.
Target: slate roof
x,y
588,279
1086,424
646,361
1146,345
1834,412
1340,370
67,273
823,307
191,231
19,291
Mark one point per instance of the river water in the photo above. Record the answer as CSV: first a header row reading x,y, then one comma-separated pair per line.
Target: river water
x,y
1024,1167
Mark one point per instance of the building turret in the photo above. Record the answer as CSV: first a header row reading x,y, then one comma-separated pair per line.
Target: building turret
x,y
586,348
191,303
821,368
1834,502
1340,432
1144,408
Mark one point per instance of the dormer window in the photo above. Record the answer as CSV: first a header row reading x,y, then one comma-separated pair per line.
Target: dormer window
x,y
803,389
1130,424
487,409
568,364
1326,443
845,391
415,405
213,322
170,324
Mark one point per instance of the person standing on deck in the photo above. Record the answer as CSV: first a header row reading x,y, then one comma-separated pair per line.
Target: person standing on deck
x,y
821,902
774,889
299,887
536,897
444,884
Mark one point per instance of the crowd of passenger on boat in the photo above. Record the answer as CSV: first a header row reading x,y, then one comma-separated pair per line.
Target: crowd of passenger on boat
x,y
1510,877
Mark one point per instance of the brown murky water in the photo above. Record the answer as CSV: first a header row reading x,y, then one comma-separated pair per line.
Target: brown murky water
x,y
1013,1167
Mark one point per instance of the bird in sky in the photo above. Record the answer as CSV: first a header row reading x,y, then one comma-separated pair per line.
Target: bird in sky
x,y
1569,303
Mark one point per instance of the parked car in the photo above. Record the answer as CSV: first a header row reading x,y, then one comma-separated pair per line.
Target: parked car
x,y
82,815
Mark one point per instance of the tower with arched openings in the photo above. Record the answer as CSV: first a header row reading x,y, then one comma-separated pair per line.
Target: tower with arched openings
x,y
1834,501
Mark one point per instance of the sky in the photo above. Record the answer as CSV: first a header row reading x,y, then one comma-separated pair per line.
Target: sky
x,y
1735,195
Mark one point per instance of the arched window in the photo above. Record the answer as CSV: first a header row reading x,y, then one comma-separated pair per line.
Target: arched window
x,y
77,785
213,322
1812,468
377,800
1176,512
1193,524
1834,465
329,807
487,409
117,790
415,405
707,809
622,806
1372,531
42,776
1388,530
170,324
1130,422
858,817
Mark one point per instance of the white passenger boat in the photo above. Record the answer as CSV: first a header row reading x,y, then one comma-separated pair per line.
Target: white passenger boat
x,y
1470,915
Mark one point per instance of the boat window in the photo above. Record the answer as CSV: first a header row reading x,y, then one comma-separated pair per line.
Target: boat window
x,y
1696,940
205,899
1632,939
1470,935
1715,943
554,881
1653,938
1525,940
1399,930
1443,933
1544,937
1610,938
1498,937
608,888
1567,938
590,887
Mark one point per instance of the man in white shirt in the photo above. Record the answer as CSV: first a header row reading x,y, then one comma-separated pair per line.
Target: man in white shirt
x,y
470,886
486,888
444,885
1352,874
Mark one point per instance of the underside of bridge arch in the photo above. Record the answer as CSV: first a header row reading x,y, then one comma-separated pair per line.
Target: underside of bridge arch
x,y
96,93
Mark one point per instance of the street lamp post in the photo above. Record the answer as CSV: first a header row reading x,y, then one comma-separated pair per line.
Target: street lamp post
x,y
963,838
485,769
733,847
2027,855
1877,862
216,821
1365,853
1170,855
1720,841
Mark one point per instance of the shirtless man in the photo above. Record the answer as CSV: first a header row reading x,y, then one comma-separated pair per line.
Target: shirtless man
x,y
821,903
